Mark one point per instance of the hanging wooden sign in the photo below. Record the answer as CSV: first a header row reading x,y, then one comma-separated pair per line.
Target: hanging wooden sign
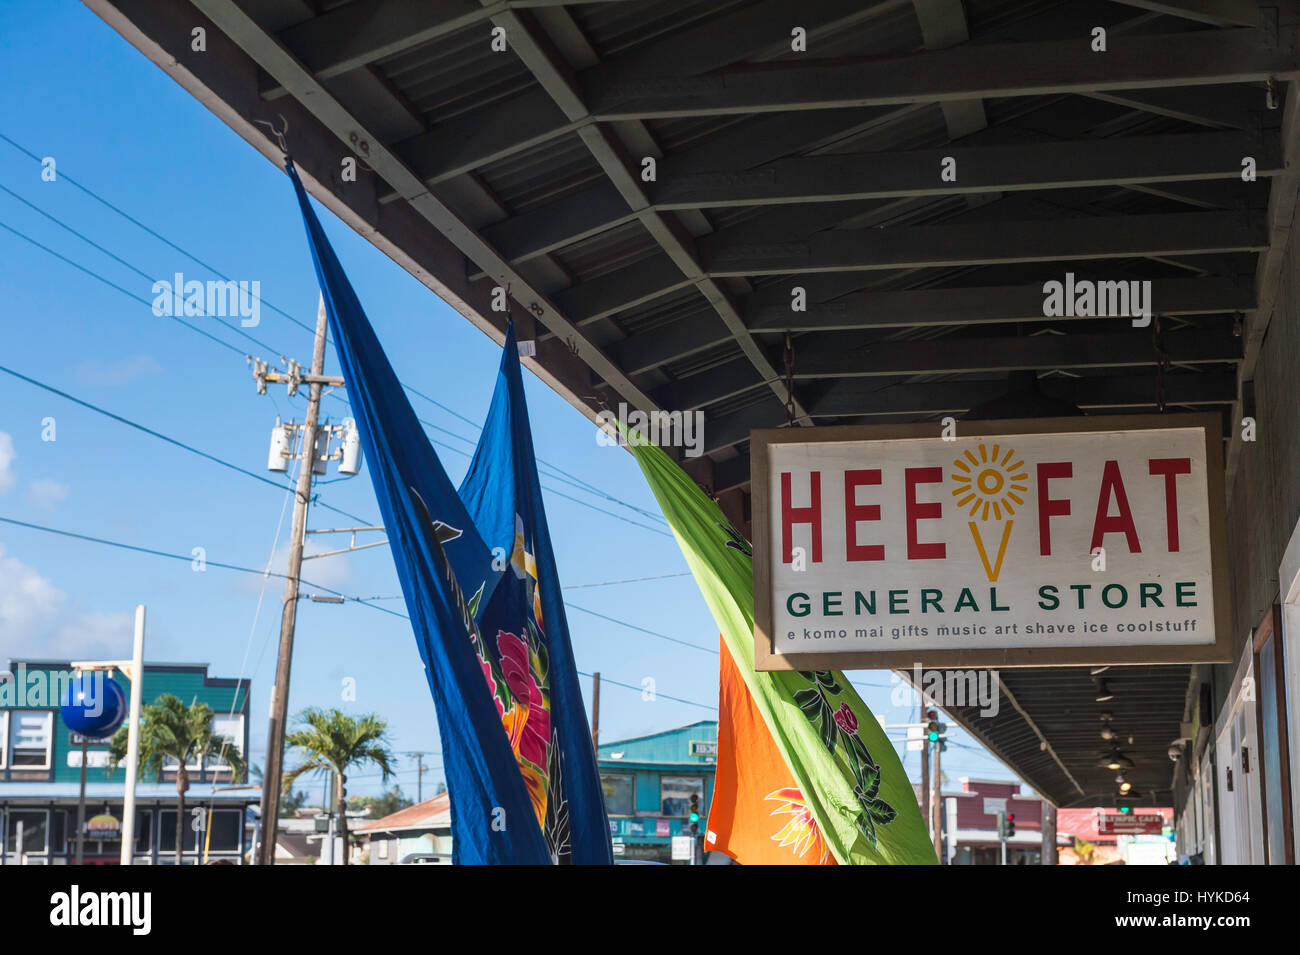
x,y
1043,542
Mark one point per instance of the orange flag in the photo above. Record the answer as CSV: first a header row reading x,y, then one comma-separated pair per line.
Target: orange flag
x,y
757,816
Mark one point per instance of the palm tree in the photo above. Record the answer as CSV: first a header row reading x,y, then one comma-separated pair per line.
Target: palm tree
x,y
170,730
332,740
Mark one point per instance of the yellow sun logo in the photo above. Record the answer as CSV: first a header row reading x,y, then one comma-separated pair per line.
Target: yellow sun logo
x,y
990,482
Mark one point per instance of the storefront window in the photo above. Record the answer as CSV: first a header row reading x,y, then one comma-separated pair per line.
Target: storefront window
x,y
620,794
675,794
226,825
30,736
167,830
35,824
143,830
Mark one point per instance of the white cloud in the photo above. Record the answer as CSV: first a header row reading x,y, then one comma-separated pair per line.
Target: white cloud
x,y
44,493
112,374
37,619
7,455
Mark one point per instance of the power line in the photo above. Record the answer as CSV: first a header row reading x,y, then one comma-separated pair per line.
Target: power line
x,y
157,235
111,284
169,440
112,255
632,626
573,479
363,601
629,580
189,558
639,689
227,345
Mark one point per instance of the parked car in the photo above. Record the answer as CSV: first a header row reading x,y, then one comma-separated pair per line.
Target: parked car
x,y
426,858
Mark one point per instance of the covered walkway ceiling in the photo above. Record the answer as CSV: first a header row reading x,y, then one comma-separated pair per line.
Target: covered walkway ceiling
x,y
776,169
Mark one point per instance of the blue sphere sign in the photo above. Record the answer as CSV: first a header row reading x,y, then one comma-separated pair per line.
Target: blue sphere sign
x,y
94,705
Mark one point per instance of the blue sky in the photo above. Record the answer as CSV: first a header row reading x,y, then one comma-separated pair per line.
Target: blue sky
x,y
119,126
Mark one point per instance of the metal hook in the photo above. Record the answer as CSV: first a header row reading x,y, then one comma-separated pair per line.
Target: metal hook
x,y
279,134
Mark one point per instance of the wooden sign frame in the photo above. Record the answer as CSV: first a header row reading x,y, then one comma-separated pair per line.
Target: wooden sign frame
x,y
765,658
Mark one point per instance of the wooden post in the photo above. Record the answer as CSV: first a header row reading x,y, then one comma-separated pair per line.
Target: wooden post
x,y
936,808
595,711
1049,834
925,776
272,778
81,802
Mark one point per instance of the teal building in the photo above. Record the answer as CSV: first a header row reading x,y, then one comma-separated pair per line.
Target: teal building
x,y
651,784
40,773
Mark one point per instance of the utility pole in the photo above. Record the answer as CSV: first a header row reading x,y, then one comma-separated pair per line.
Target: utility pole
x,y
280,691
419,775
81,801
925,779
936,805
595,710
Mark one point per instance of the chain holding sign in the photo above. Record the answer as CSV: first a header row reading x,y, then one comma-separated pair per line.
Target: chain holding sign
x,y
881,547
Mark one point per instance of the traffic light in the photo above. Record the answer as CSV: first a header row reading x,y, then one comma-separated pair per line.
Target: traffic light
x,y
932,730
1002,826
1011,824
694,814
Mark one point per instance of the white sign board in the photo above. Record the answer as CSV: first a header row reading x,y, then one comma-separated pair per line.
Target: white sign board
x,y
993,806
915,739
990,546
682,848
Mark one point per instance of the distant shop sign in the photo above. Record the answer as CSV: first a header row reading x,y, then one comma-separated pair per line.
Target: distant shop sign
x,y
103,826
701,748
1124,824
1046,542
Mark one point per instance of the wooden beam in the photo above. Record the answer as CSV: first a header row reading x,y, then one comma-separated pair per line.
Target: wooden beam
x,y
964,72
842,356
533,45
1219,13
836,357
1057,165
770,311
267,53
355,35
743,250
853,399
1105,237
532,118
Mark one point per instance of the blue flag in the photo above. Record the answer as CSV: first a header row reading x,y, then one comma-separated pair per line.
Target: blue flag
x,y
547,721
500,686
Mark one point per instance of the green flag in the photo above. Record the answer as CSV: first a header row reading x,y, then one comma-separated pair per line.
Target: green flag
x,y
847,770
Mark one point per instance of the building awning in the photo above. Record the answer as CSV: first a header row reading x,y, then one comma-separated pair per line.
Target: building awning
x,y
673,190
198,793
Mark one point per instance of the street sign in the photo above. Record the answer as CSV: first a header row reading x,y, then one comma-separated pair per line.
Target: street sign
x,y
994,806
683,848
1130,824
915,738
1047,542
